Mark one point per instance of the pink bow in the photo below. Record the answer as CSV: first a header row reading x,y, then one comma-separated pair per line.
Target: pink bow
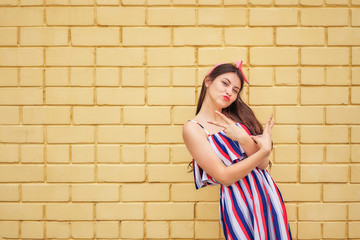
x,y
238,65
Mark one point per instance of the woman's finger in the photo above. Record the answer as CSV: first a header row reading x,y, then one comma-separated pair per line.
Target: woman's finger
x,y
227,120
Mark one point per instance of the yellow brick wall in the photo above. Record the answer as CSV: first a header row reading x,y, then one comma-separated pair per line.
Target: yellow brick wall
x,y
93,95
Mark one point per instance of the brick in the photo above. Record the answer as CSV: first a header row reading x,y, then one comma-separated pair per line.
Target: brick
x,y
257,76
293,192
8,77
20,211
183,114
45,192
207,211
57,153
355,174
120,96
121,134
21,56
95,36
120,56
81,76
284,172
214,55
31,2
121,173
260,2
355,55
338,153
299,115
207,230
287,76
338,76
46,115
324,56
197,36
324,173
107,77
171,96
235,2
121,16
82,229
21,96
133,77
192,194
70,134
276,95
336,2
17,16
312,76
107,2
182,229
171,16
82,154
108,153
309,230
291,210
285,134
146,36
32,229
70,173
355,134
9,193
274,56
222,16
355,17
21,173
324,95
343,36
286,153
341,192
273,17
249,36
9,229
170,211
57,76
165,134
8,3
32,153
210,2
8,36
343,115
355,97
57,229
323,134
334,230
31,77
353,229
146,115
96,115
159,77
120,211
145,192
355,153
354,211
132,229
95,192
171,56
184,76
157,229
70,16
168,173
157,154
107,229
322,211
69,211
286,2
133,154
300,36
324,17
69,56
39,36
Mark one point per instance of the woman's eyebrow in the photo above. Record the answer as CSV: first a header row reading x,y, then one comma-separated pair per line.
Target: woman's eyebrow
x,y
230,82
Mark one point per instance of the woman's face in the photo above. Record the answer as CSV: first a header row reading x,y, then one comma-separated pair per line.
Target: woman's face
x,y
224,89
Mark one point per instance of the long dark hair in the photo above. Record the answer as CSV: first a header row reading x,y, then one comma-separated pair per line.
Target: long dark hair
x,y
238,111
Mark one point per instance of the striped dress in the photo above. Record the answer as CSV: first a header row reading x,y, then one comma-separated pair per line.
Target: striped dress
x,y
251,208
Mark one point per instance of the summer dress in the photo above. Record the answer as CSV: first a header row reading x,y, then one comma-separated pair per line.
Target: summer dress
x,y
251,208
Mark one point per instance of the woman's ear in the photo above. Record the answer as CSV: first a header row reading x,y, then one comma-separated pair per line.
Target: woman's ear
x,y
207,81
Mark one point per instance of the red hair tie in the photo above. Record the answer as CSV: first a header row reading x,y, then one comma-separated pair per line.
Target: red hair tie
x,y
238,66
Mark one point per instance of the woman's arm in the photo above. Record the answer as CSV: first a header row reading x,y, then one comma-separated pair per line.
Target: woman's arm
x,y
201,150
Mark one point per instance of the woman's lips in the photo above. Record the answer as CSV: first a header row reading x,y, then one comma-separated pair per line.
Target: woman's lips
x,y
227,98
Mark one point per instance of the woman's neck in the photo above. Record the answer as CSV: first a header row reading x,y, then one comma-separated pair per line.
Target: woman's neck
x,y
207,111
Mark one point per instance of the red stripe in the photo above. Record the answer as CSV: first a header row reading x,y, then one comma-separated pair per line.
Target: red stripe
x,y
221,151
223,213
229,146
261,203
254,209
284,211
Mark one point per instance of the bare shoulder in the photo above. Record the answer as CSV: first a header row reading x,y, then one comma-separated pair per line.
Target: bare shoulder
x,y
192,131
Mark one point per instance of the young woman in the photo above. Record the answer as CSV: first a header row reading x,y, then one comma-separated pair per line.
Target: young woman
x,y
230,147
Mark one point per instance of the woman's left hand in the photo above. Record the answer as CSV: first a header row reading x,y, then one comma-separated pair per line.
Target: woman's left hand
x,y
231,130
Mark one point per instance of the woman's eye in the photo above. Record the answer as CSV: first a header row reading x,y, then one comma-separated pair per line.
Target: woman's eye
x,y
234,91
225,83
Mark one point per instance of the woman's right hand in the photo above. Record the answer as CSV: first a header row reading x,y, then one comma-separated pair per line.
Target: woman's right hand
x,y
264,140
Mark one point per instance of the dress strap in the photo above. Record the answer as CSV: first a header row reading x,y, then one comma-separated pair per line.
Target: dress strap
x,y
200,126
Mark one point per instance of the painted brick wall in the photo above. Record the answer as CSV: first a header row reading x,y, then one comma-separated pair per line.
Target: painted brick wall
x,y
94,94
